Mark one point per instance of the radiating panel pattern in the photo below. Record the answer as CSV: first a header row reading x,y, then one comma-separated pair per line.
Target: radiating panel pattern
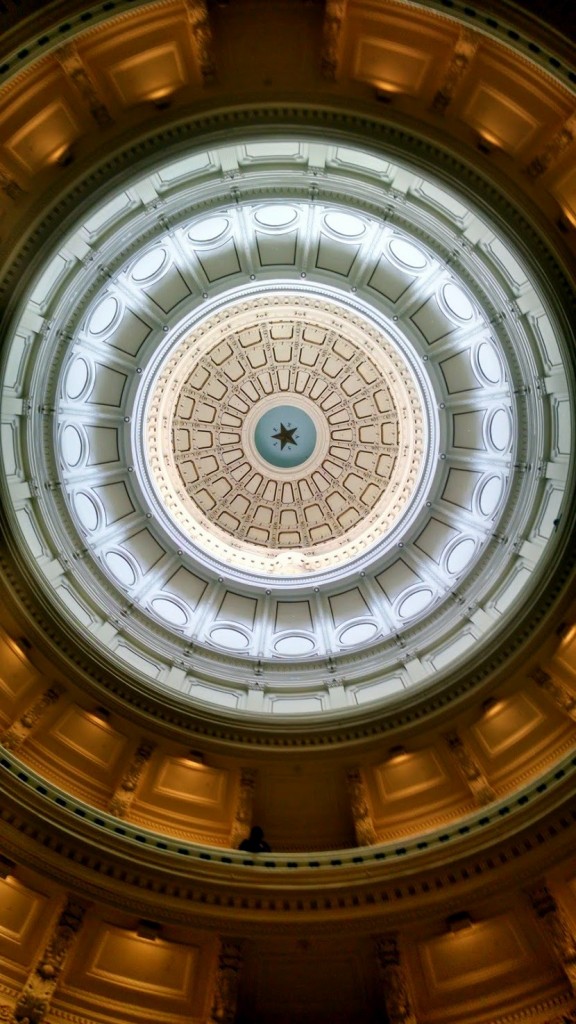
x,y
228,377
490,409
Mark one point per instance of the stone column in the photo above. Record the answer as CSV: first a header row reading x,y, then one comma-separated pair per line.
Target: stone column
x,y
34,1002
470,770
21,729
562,697
363,823
226,983
130,781
557,927
244,808
396,997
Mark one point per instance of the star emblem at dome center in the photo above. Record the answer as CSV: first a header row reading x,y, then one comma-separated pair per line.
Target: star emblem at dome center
x,y
286,436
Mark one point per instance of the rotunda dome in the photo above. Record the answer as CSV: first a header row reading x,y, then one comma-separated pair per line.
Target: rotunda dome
x,y
300,477
287,502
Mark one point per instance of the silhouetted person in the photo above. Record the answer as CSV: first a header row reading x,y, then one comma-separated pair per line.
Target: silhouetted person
x,y
255,843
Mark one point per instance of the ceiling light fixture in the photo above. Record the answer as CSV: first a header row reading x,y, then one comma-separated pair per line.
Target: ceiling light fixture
x,y
398,753
491,706
194,756
7,867
459,922
148,930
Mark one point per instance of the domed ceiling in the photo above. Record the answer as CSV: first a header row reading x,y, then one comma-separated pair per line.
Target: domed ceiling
x,y
292,447
289,429
287,491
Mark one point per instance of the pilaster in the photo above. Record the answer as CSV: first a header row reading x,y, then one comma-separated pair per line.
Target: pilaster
x,y
226,984
202,38
363,822
244,807
131,780
394,981
23,727
72,64
558,929
562,697
34,1002
332,32
469,769
460,60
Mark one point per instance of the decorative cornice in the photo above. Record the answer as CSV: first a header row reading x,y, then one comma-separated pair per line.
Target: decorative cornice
x,y
109,859
82,16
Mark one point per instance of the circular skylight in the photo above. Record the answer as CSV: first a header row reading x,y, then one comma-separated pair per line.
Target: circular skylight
x,y
158,384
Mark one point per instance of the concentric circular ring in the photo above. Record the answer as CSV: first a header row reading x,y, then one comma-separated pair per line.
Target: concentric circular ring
x,y
285,437
448,313
366,428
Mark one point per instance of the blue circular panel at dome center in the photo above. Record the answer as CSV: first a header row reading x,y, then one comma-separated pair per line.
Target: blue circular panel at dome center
x,y
285,436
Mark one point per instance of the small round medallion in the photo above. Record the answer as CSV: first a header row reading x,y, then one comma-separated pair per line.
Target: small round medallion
x,y
285,436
